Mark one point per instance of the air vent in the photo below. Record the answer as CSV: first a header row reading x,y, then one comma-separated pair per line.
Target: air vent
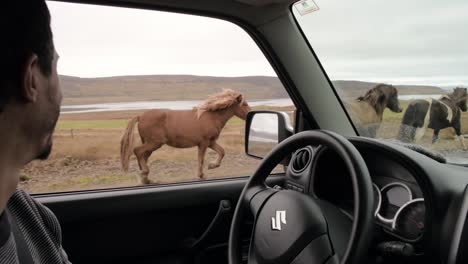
x,y
301,160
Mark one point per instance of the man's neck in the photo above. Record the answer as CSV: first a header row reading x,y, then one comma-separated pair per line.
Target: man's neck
x,y
13,156
8,183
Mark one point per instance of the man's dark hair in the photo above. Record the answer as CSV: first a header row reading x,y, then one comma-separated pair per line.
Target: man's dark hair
x,y
25,30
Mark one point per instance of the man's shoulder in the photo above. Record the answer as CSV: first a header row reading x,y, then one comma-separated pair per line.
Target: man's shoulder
x,y
21,201
22,196
24,206
39,226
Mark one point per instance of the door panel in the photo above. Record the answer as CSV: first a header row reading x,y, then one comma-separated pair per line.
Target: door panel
x,y
159,224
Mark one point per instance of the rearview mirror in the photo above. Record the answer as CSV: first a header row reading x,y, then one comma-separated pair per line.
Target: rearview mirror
x,y
264,130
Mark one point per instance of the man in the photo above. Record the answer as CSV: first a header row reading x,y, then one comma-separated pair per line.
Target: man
x,y
30,99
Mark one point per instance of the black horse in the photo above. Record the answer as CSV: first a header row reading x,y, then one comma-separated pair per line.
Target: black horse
x,y
367,110
435,114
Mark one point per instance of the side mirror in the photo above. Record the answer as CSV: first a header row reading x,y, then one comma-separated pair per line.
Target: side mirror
x,y
264,130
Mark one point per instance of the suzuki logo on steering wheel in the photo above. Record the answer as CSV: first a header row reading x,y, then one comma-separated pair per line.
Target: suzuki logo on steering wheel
x,y
276,221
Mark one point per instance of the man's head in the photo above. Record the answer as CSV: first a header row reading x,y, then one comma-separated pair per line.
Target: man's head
x,y
29,87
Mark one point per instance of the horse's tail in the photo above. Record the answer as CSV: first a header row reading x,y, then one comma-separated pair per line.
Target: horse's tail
x,y
126,144
407,128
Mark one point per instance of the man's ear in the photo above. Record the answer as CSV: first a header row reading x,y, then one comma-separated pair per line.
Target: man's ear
x,y
30,79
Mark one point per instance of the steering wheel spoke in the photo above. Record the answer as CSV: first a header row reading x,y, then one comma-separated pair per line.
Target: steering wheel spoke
x,y
258,199
317,251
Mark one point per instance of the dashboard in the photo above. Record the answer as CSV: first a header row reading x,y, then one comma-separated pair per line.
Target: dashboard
x,y
400,208
420,204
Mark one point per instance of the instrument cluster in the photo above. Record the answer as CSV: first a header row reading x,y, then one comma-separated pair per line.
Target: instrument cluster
x,y
399,212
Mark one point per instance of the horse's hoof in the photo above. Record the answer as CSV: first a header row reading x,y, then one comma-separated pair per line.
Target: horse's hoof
x,y
201,176
144,178
146,181
212,166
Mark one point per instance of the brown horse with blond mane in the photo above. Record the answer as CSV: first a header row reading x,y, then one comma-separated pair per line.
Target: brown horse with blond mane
x,y
199,127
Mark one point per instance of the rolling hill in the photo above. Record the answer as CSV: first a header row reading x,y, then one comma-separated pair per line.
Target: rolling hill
x,y
189,87
357,88
164,87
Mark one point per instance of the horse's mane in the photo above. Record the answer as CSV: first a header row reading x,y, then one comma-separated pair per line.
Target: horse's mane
x,y
372,94
457,94
220,101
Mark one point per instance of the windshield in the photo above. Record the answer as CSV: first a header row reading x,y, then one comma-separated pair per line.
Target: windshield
x,y
399,67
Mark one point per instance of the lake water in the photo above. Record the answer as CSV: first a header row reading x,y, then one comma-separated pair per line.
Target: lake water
x,y
143,105
183,105
418,96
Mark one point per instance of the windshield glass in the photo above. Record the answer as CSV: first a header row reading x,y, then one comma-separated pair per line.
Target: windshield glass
x,y
399,67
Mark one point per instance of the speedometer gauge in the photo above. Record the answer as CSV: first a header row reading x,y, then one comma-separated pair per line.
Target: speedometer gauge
x,y
394,196
410,220
377,199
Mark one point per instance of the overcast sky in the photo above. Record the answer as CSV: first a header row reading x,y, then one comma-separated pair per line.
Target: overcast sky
x,y
96,41
399,41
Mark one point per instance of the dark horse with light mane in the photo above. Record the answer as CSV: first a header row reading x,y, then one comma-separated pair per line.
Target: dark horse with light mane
x,y
435,114
199,127
367,111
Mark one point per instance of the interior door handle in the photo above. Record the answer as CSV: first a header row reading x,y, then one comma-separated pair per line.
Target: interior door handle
x,y
218,228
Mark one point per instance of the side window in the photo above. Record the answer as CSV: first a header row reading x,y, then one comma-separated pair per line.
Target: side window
x,y
145,102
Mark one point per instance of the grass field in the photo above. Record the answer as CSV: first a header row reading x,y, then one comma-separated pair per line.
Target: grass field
x,y
90,124
86,156
86,153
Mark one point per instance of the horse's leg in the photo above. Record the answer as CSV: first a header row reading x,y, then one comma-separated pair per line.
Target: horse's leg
x,y
419,133
134,151
142,158
201,160
138,153
216,147
143,153
460,136
435,136
421,125
373,130
462,141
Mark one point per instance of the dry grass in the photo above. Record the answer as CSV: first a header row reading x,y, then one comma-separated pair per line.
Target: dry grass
x,y
86,156
86,153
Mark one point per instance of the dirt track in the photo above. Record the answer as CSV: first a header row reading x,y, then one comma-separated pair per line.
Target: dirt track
x,y
71,174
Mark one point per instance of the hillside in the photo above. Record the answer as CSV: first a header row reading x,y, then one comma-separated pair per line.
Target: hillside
x,y
165,87
357,88
189,87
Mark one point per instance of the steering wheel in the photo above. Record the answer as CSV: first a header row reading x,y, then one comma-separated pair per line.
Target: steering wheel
x,y
291,227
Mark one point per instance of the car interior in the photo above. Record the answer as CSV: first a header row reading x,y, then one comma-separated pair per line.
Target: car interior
x,y
341,199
